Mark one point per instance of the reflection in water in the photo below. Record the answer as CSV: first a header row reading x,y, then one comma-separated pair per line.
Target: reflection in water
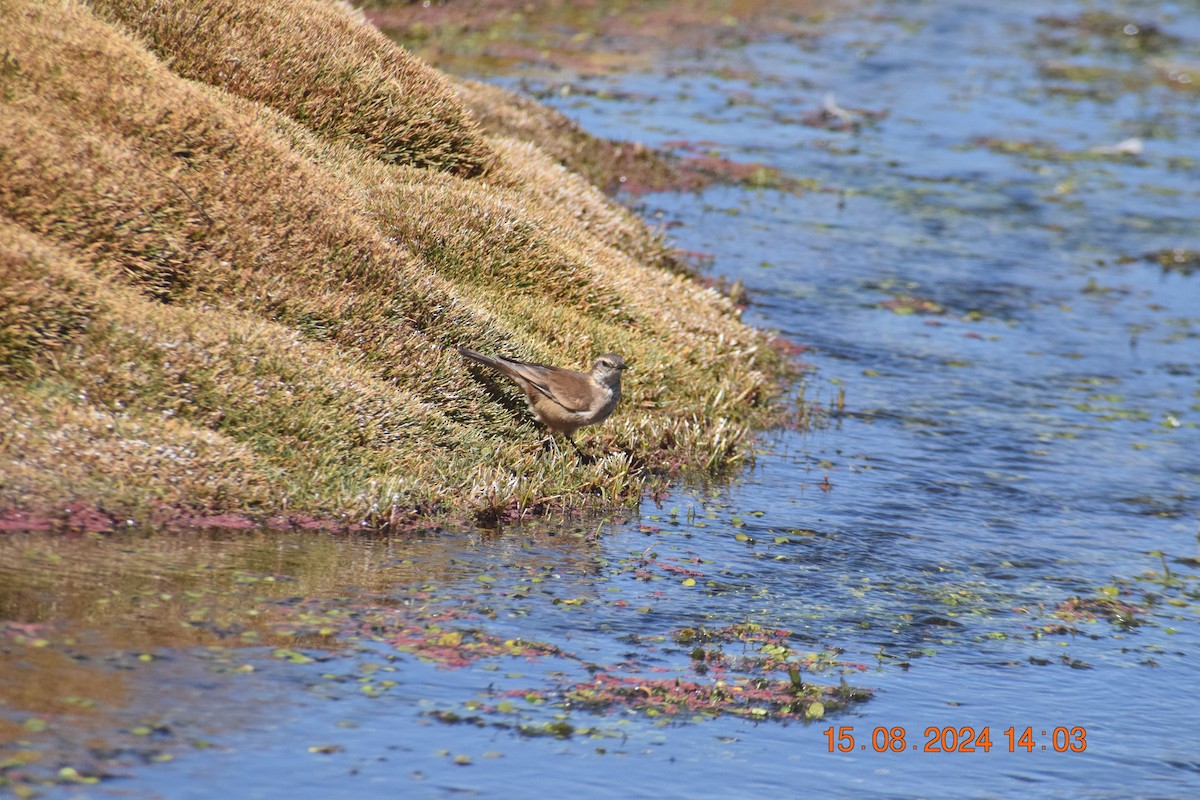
x,y
118,648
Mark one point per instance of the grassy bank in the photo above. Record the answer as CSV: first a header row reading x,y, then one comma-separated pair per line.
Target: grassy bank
x,y
239,242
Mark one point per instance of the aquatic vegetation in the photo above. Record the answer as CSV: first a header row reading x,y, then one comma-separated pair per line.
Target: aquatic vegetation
x,y
1105,29
1076,610
834,117
1047,151
1109,54
909,304
456,647
736,685
1176,259
757,699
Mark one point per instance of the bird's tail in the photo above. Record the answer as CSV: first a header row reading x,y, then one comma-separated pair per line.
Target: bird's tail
x,y
495,362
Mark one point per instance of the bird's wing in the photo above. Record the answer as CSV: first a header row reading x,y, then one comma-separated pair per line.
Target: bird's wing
x,y
536,377
572,397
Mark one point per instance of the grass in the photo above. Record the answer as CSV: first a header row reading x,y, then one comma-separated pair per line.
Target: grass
x,y
239,242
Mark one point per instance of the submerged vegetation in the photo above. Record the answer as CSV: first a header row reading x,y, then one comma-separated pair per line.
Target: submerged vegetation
x,y
240,241
351,616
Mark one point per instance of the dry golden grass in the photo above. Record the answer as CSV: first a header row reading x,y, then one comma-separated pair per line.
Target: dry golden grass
x,y
239,241
318,64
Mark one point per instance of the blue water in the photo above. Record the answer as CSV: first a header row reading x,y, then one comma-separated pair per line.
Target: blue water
x,y
1035,441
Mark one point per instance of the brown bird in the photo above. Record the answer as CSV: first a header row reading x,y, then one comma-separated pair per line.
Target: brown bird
x,y
563,399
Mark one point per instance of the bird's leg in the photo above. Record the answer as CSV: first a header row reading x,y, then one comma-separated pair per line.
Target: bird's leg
x,y
584,457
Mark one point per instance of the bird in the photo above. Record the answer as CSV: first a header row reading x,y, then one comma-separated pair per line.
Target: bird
x,y
565,400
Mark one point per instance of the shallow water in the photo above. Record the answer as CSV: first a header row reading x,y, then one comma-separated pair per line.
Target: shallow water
x,y
1026,435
